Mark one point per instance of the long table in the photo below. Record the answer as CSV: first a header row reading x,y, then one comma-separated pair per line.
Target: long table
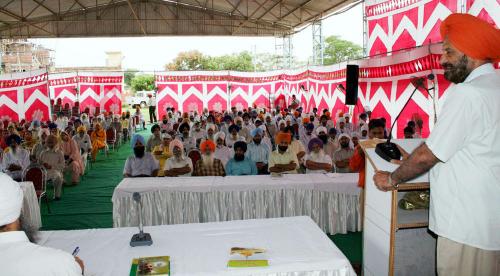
x,y
30,210
331,200
295,247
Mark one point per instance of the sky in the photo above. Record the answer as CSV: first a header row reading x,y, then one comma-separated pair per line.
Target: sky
x,y
152,53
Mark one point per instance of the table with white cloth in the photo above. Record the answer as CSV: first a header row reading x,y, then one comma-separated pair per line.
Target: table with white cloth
x,y
294,246
30,212
331,200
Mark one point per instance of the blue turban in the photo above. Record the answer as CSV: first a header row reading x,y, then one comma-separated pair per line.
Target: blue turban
x,y
231,127
256,131
314,141
13,138
52,125
36,123
310,126
136,138
227,117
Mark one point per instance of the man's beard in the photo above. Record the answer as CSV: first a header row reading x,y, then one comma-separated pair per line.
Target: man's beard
x,y
30,231
239,157
317,155
456,73
257,141
14,150
139,152
208,160
344,145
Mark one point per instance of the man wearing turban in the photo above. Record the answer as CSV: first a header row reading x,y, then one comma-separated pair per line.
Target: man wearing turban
x,y
16,159
283,160
307,134
19,254
179,164
142,163
316,160
258,151
239,164
233,136
464,165
222,152
162,152
84,143
52,159
208,165
343,155
188,141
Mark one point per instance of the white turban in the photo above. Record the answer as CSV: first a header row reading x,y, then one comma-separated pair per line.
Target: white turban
x,y
347,115
281,122
11,200
351,145
218,135
210,126
341,120
321,129
166,136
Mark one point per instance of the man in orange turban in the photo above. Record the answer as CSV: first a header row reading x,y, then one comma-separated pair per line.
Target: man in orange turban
x,y
283,160
464,216
208,165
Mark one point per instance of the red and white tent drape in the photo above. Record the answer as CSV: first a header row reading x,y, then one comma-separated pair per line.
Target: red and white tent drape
x,y
399,24
24,96
100,89
64,86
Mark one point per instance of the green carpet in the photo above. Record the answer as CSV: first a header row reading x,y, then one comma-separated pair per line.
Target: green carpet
x,y
88,205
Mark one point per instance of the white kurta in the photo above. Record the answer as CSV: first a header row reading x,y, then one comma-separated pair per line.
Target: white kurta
x,y
20,257
141,166
323,158
223,154
465,185
20,158
173,163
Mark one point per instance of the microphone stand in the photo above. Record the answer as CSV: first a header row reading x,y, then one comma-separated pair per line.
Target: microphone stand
x,y
388,150
141,238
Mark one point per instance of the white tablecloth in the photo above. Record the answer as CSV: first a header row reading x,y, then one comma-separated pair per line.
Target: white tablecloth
x,y
295,246
30,211
331,200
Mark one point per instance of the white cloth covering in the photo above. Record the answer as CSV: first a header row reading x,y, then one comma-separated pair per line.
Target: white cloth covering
x,y
11,200
331,200
318,158
465,186
19,257
30,211
173,163
295,247
20,158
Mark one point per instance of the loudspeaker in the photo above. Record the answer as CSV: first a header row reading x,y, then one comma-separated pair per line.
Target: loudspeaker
x,y
351,91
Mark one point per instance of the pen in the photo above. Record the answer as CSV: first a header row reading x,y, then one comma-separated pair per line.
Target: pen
x,y
75,252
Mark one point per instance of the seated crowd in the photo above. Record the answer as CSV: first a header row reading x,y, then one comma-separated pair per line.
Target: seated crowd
x,y
252,142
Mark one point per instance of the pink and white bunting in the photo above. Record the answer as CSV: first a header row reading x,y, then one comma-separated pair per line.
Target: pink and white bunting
x,y
101,89
24,96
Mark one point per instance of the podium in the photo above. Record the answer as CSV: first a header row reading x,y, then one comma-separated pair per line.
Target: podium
x,y
395,241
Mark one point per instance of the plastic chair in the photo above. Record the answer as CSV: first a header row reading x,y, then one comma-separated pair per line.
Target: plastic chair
x,y
195,155
38,175
111,136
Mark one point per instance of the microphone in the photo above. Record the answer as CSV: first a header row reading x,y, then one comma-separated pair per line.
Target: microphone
x,y
388,150
141,238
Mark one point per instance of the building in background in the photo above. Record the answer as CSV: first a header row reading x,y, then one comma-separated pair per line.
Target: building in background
x,y
113,63
20,55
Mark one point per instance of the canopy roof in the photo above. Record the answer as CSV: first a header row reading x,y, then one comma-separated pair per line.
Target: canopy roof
x,y
91,18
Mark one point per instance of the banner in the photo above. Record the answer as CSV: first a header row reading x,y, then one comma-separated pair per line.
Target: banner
x,y
65,87
401,24
24,96
100,89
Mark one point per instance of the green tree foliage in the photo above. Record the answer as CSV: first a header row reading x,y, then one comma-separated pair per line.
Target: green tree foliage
x,y
129,75
338,50
143,82
195,60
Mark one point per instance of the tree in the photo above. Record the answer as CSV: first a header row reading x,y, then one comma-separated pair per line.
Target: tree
x,y
129,75
143,82
187,61
338,50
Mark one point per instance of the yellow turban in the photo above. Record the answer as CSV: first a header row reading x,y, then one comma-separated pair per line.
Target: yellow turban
x,y
81,128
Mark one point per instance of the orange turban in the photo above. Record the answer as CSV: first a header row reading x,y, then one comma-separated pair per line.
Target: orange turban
x,y
296,114
306,120
207,144
472,36
283,137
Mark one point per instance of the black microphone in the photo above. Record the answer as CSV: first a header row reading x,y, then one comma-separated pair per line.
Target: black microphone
x,y
389,151
141,238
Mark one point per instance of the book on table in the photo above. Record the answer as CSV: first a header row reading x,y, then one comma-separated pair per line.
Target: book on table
x,y
157,266
247,257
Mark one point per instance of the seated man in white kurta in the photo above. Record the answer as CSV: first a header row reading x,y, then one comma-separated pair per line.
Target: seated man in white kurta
x,y
19,255
179,164
16,159
142,163
316,160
